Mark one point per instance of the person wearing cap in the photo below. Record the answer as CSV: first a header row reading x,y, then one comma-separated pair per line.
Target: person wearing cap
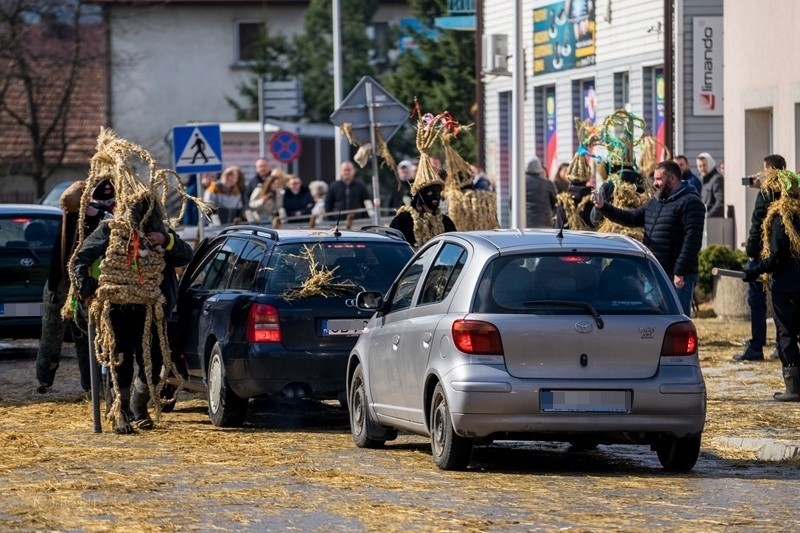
x,y
540,196
401,194
421,221
56,289
713,193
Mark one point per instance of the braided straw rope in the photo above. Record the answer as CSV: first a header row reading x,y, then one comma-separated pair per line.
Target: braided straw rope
x,y
624,197
787,207
130,274
426,225
572,211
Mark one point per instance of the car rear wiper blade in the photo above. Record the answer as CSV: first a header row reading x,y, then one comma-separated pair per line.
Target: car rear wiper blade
x,y
569,303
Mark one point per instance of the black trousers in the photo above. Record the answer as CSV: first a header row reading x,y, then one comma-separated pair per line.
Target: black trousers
x,y
786,306
128,324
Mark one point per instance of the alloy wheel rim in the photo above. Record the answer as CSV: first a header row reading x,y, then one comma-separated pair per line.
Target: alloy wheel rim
x,y
215,385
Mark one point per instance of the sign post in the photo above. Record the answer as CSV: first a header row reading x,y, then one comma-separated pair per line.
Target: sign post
x,y
368,107
197,148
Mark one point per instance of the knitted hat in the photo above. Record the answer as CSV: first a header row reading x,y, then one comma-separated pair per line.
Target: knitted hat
x,y
534,166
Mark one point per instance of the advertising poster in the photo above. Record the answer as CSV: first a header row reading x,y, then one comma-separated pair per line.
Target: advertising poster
x,y
589,107
551,132
659,113
563,36
707,66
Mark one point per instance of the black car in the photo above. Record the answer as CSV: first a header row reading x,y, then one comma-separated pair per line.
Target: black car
x,y
27,234
271,313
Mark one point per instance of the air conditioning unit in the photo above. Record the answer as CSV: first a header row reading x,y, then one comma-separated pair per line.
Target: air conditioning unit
x,y
497,54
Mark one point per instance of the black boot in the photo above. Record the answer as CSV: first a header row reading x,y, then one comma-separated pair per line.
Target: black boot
x,y
139,400
791,376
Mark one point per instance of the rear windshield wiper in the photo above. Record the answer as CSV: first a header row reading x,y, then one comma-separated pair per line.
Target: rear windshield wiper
x,y
568,303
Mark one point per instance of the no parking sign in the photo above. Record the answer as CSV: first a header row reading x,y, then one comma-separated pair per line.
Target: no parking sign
x,y
285,146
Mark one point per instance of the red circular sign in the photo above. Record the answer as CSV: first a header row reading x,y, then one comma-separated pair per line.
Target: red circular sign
x,y
285,146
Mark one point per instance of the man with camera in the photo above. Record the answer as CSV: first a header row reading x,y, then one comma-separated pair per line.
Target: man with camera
x,y
756,292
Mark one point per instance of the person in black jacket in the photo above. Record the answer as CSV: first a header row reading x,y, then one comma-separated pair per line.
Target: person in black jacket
x,y
346,194
56,289
782,261
756,291
673,224
128,320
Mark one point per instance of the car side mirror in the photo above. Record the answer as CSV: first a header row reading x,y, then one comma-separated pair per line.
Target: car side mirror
x,y
369,300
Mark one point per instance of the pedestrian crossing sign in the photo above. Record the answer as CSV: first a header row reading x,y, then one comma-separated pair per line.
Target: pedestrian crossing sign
x,y
197,148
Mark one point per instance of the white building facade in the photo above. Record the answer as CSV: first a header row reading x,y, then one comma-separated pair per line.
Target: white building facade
x,y
585,60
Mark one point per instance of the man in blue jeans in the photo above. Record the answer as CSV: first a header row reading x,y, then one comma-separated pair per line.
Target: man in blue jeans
x,y
756,295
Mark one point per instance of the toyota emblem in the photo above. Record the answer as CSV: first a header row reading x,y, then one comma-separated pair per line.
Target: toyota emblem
x,y
584,326
26,261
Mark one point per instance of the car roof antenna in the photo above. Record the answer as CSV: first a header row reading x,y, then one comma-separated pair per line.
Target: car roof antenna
x,y
560,217
335,231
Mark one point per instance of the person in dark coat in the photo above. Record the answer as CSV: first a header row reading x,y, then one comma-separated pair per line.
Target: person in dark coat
x,y
346,193
713,194
540,196
687,176
756,294
57,287
297,199
782,261
673,223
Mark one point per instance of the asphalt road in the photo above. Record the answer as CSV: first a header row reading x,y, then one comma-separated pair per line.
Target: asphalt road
x,y
294,467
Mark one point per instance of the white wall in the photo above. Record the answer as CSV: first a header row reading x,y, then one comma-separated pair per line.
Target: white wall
x,y
174,64
761,72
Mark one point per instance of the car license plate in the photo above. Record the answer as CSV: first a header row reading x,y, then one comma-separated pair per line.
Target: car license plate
x,y
585,401
343,327
21,310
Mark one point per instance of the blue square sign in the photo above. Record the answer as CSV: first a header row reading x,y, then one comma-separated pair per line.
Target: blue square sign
x,y
197,148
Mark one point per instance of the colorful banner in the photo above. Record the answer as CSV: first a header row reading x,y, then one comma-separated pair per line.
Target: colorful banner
x,y
551,131
563,36
660,113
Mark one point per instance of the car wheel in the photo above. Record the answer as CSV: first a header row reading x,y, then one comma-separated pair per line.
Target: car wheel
x,y
359,412
450,451
224,408
679,454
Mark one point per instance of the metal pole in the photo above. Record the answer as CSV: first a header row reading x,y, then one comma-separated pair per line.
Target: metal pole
x,y
201,219
517,126
261,118
94,374
337,80
376,197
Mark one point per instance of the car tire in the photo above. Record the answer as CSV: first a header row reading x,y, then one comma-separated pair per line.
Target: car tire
x,y
225,408
679,454
358,410
450,450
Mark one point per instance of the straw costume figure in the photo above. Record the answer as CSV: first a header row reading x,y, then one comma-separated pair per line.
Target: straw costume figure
x,y
780,258
626,185
470,209
421,221
124,272
574,205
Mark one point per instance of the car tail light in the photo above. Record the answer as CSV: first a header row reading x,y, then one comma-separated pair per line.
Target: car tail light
x,y
679,339
263,324
476,337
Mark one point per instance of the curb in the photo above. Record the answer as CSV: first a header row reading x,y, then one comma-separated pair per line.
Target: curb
x,y
766,449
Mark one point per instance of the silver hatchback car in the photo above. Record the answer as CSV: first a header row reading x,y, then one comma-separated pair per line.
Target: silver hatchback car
x,y
529,335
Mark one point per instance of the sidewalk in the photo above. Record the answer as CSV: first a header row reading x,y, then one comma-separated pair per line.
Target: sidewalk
x,y
743,421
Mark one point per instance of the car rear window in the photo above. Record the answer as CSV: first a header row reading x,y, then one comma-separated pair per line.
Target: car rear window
x,y
611,284
370,266
28,231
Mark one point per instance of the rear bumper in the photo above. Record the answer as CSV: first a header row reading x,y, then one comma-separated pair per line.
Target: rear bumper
x,y
266,371
491,402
